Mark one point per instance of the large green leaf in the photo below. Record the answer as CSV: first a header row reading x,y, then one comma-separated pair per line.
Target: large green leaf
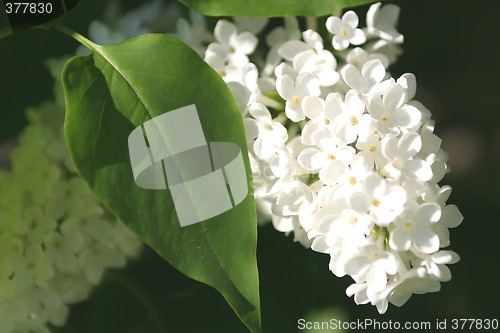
x,y
271,7
116,89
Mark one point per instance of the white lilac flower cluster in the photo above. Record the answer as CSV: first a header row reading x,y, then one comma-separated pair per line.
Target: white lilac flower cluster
x,y
56,240
342,154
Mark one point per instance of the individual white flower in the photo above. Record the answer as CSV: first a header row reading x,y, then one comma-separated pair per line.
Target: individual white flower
x,y
349,117
30,268
12,314
369,80
414,281
391,113
41,303
370,149
409,83
292,48
381,22
231,45
372,265
354,175
414,226
251,24
276,38
358,57
61,251
324,205
321,64
345,30
436,263
382,200
68,197
348,224
293,91
90,224
328,159
97,258
451,217
269,134
400,154
294,194
34,225
319,127
194,34
309,56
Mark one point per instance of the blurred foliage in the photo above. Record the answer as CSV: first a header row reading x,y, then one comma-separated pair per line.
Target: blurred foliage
x,y
451,46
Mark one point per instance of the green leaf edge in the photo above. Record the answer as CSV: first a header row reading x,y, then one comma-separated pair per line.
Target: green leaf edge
x,y
270,8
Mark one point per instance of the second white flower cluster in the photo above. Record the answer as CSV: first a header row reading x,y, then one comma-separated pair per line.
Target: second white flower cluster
x,y
352,165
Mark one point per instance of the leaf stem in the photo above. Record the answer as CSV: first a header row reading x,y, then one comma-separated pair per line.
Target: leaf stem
x,y
76,36
58,26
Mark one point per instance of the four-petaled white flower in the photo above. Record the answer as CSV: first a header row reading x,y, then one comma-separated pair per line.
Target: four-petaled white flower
x,y
269,134
400,155
381,22
345,30
367,81
413,227
372,265
392,113
349,117
306,84
231,45
381,199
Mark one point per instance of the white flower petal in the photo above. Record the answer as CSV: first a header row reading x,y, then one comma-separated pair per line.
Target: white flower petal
x,y
223,31
313,106
399,240
358,38
408,116
285,86
311,159
291,48
350,18
352,76
339,43
425,240
332,172
394,97
409,82
451,216
333,24
418,168
409,145
373,70
246,42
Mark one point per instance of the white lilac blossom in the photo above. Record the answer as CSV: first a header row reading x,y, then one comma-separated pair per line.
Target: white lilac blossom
x,y
48,227
345,30
50,222
342,154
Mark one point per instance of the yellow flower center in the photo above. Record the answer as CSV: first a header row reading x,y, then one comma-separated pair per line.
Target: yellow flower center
x,y
343,32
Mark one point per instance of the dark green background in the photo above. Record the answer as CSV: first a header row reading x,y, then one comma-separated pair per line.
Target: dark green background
x,y
452,47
